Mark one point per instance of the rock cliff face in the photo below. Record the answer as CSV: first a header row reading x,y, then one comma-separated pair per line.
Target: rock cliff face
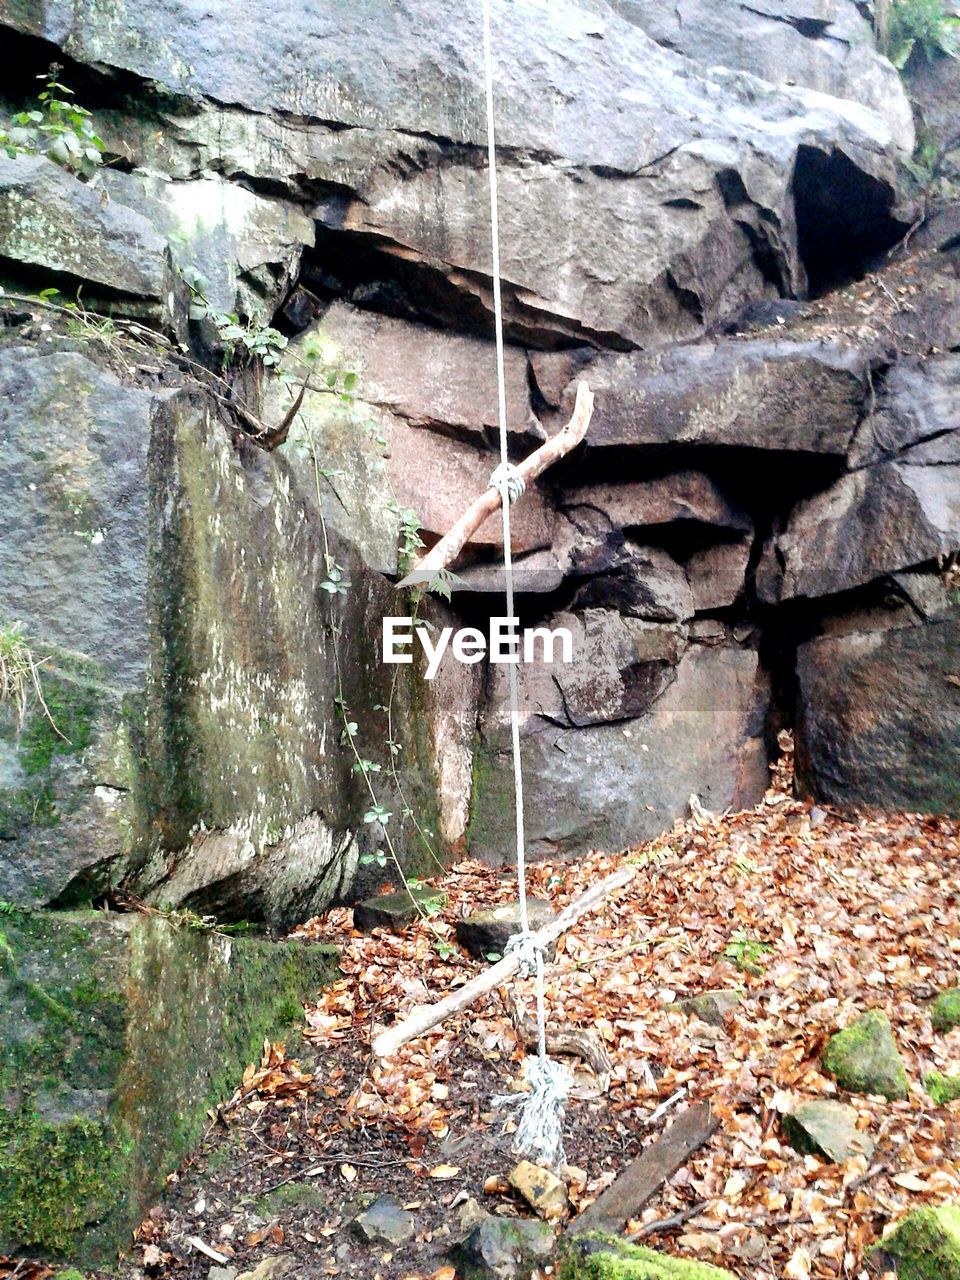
x,y
757,531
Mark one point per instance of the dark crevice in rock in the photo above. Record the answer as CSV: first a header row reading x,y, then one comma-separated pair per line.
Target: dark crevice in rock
x,y
810,28
95,85
689,301
19,277
844,218
374,274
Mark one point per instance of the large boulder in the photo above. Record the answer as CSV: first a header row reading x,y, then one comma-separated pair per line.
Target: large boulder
x,y
614,149
615,744
167,577
120,1032
879,716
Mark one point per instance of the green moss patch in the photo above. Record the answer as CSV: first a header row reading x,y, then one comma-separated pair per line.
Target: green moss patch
x,y
601,1257
942,1089
945,1010
926,1245
119,1033
301,1196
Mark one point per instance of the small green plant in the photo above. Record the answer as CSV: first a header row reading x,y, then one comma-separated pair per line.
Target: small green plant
x,y
57,128
747,953
20,675
253,340
409,540
918,28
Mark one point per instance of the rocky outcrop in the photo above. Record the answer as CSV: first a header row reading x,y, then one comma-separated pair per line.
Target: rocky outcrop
x,y
755,460
706,207
168,582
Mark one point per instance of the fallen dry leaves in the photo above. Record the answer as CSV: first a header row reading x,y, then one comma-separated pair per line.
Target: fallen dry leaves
x,y
857,911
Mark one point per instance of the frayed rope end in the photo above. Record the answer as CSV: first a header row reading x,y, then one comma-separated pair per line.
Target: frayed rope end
x,y
540,1112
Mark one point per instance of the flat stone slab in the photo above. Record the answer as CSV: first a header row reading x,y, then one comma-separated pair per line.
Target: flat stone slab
x,y
393,910
384,1222
486,933
827,1128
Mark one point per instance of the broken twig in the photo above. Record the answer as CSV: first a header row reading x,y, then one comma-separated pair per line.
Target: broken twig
x,y
452,543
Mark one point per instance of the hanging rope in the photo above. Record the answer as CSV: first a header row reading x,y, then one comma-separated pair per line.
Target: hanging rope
x,y
540,1120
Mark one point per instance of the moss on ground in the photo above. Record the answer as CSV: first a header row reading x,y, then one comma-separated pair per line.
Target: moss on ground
x,y
942,1089
926,1244
597,1256
295,1195
945,1010
864,1058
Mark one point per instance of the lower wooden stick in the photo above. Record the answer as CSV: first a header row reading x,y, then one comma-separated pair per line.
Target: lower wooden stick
x,y
429,1016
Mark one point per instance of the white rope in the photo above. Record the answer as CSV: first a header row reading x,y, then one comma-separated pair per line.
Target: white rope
x,y
540,1126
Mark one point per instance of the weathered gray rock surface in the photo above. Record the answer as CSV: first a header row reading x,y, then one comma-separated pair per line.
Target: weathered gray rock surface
x,y
825,46
616,150
862,698
659,733
191,676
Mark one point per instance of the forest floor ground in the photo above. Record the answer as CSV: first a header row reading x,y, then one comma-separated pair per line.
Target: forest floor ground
x,y
850,912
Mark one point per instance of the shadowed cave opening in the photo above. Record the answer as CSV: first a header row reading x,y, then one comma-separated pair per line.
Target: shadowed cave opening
x,y
845,218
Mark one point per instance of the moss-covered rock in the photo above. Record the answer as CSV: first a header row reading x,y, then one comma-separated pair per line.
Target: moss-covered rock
x,y
503,1248
864,1058
602,1257
942,1089
710,1006
926,1244
119,1033
945,1010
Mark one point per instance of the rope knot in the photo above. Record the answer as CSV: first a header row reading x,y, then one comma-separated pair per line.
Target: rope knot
x,y
530,952
507,481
